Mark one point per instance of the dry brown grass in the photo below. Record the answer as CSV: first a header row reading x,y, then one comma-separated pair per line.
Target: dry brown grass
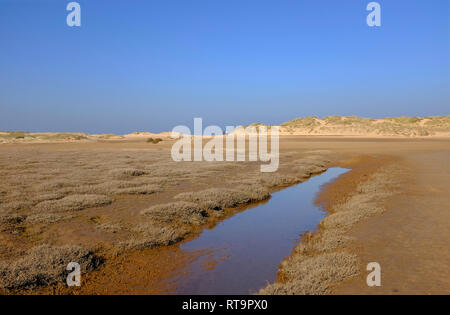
x,y
221,198
36,181
13,206
278,180
363,204
43,191
44,265
183,212
47,218
110,227
310,165
12,223
150,234
290,173
138,190
126,173
73,203
315,275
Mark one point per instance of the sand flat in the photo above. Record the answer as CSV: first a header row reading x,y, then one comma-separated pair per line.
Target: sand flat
x,y
411,239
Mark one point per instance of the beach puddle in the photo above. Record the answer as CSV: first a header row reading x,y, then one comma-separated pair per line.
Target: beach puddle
x,y
242,253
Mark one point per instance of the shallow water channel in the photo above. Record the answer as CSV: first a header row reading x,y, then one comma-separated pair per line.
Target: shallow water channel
x,y
242,253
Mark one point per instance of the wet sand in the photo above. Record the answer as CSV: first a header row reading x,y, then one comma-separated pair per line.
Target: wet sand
x,y
411,239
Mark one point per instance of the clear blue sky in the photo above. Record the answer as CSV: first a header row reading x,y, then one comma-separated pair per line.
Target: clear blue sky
x,y
152,65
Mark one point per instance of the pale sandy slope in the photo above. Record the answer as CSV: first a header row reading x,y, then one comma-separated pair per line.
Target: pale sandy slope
x,y
438,126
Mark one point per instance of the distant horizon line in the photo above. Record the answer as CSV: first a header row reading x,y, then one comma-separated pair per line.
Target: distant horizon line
x,y
254,123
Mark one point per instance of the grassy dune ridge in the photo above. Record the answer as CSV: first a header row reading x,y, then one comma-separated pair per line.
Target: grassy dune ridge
x,y
352,125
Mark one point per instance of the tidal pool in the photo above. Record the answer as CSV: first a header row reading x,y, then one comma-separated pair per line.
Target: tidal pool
x,y
242,253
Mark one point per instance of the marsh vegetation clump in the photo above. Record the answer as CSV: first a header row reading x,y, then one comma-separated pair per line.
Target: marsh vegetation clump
x,y
14,206
138,190
278,180
363,204
73,203
180,211
126,173
314,275
310,165
47,218
151,234
306,171
222,198
44,265
12,223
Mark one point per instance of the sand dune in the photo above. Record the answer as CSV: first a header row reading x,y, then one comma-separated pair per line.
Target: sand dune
x,y
437,126
63,137
354,126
